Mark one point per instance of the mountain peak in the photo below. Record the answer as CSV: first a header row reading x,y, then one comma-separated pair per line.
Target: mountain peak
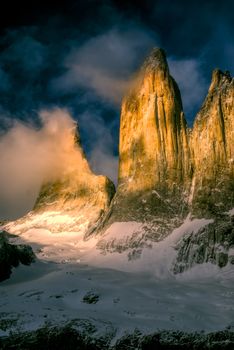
x,y
156,60
153,151
73,201
219,78
213,150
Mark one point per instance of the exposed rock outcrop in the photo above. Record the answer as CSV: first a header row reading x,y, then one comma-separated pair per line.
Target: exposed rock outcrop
x,y
213,244
154,151
212,190
74,201
212,148
154,165
12,255
166,170
83,334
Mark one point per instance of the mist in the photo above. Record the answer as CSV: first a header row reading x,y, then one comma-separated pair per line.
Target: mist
x,y
30,156
104,64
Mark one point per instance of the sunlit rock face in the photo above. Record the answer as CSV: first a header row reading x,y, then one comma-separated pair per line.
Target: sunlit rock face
x,y
167,171
153,132
212,148
154,165
74,200
212,190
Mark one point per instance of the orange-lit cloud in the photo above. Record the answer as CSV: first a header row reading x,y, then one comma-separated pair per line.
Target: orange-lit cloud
x,y
29,156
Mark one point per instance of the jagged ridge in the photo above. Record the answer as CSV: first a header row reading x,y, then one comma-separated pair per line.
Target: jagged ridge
x,y
154,165
165,169
75,201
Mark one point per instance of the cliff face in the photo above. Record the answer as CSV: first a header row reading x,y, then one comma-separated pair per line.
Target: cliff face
x,y
73,201
212,190
212,148
166,170
154,164
153,132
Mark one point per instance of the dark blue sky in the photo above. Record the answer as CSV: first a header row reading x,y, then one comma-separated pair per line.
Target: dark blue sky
x,y
80,54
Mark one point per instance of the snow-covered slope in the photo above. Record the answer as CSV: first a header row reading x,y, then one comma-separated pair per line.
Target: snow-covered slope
x,y
126,245
123,245
118,282
122,301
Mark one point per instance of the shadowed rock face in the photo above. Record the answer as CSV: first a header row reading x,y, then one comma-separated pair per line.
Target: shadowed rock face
x,y
212,146
11,255
212,244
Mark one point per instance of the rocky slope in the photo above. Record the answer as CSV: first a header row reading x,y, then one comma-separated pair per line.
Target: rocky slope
x,y
74,201
213,244
84,335
11,255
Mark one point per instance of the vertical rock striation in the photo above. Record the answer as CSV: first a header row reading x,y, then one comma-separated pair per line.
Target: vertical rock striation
x,y
166,170
212,148
153,132
154,164
212,191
